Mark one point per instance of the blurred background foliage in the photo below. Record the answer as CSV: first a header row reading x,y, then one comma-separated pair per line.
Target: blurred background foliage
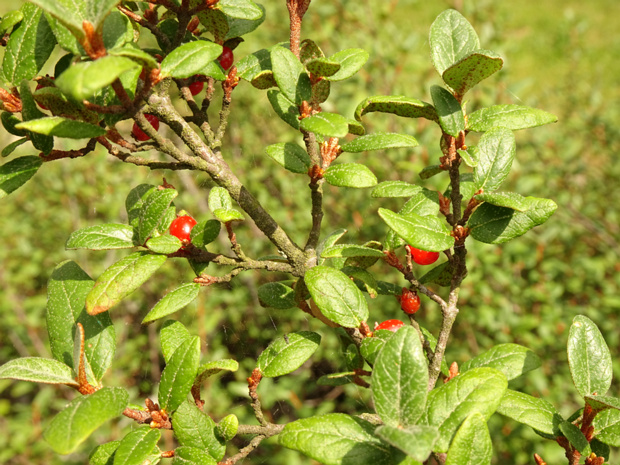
x,y
560,56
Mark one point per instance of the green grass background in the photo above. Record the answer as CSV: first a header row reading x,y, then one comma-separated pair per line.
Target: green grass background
x,y
560,56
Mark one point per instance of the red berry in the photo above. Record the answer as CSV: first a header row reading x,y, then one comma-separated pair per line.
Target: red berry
x,y
390,325
226,58
196,87
409,301
139,134
422,257
181,227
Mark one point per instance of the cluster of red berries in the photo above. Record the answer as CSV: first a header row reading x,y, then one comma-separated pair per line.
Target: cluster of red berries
x,y
226,60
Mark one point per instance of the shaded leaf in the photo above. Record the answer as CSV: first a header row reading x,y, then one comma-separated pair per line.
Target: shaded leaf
x,y
179,374
205,232
17,172
291,156
284,108
276,295
471,69
414,440
449,111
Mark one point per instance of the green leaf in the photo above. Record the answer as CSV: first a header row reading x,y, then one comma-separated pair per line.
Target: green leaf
x,y
164,244
451,39
9,21
193,428
173,301
238,27
67,290
531,411
290,75
205,232
414,440
449,111
65,38
16,172
241,9
477,390
511,359
62,127
220,204
468,158
38,370
276,295
287,353
83,416
291,156
30,112
117,31
351,61
337,296
336,439
575,437
254,64
400,379
284,108
513,117
101,237
430,171
350,250
136,446
189,59
83,80
589,358
471,443
9,149
9,121
29,46
329,240
72,14
212,368
135,201
495,225
441,275
471,69
350,175
186,455
379,141
326,124
136,54
506,199
398,105
600,403
336,379
607,427
153,211
121,279
179,374
322,67
496,151
172,335
423,232
371,346
103,454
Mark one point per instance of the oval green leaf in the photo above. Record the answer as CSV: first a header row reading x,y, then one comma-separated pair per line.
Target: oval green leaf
x,y
451,38
531,411
379,141
290,75
287,353
38,370
423,232
153,211
351,61
164,244
62,127
511,359
397,105
101,237
193,428
350,175
291,156
136,446
449,111
400,379
496,151
326,124
83,416
189,59
589,358
179,374
471,443
173,301
205,232
17,172
276,295
471,69
415,440
337,296
121,279
513,117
